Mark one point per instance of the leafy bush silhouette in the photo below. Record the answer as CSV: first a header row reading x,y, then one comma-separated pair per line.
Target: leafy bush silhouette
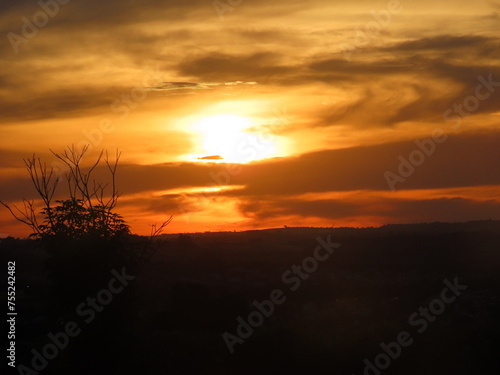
x,y
72,219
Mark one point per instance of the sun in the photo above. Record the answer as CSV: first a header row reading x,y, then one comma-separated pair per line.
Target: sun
x,y
233,139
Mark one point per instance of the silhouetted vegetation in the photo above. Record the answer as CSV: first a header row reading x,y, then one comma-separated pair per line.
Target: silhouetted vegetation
x,y
191,294
82,235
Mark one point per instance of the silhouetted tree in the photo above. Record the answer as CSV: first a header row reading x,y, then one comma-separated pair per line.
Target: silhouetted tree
x,y
84,237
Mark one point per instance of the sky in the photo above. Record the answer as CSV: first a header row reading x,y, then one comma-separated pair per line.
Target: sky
x,y
249,114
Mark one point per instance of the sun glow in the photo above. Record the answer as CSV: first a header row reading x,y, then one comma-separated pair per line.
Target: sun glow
x,y
233,139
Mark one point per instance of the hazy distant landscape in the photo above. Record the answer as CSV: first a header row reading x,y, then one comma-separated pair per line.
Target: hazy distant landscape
x,y
174,314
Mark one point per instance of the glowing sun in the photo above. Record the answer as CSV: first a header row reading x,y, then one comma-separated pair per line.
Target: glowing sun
x,y
233,139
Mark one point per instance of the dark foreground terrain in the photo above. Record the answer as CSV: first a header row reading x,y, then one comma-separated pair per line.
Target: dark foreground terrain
x,y
427,293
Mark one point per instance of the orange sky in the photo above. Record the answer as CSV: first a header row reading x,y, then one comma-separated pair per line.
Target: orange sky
x,y
263,114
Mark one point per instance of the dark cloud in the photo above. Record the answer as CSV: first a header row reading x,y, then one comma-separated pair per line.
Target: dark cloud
x,y
417,90
388,210
56,104
189,88
414,80
263,36
442,43
431,104
260,67
336,69
465,160
14,158
212,157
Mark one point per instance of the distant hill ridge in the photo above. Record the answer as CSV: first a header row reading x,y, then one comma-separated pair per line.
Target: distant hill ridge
x,y
426,227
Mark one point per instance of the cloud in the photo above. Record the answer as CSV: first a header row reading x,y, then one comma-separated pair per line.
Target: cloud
x,y
413,89
385,210
56,104
212,157
260,67
430,71
462,160
190,88
441,43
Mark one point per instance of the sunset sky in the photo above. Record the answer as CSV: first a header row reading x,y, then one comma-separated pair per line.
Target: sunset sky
x,y
235,115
